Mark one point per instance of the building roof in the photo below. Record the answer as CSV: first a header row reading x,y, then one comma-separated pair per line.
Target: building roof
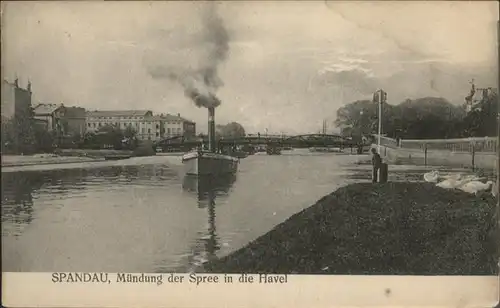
x,y
42,109
74,112
171,117
118,113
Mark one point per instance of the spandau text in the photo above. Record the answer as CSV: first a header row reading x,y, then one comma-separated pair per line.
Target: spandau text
x,y
80,277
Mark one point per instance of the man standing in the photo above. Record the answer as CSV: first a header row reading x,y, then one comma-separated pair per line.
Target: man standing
x,y
376,163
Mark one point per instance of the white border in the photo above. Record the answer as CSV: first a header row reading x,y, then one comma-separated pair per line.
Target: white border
x,y
38,290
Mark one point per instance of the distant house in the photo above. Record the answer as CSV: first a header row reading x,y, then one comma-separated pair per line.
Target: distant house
x,y
476,95
49,116
141,121
146,125
14,99
175,125
74,119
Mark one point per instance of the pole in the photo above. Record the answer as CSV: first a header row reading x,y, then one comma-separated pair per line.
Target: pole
x,y
473,154
425,154
379,118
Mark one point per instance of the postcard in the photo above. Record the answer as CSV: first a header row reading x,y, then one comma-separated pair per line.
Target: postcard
x,y
250,153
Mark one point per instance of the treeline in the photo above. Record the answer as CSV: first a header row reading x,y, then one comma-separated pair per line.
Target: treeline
x,y
423,118
21,134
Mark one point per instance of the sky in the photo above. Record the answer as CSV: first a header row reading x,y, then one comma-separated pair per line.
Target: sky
x,y
289,65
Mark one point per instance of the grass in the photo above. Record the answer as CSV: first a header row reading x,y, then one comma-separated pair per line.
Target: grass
x,y
384,229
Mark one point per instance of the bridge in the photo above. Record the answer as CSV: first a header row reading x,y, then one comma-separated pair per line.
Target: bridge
x,y
299,141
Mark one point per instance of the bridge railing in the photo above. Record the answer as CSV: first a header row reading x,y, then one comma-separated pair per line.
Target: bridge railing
x,y
477,144
386,141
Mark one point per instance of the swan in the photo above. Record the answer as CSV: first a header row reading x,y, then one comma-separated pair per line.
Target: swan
x,y
455,176
450,183
431,177
474,186
494,189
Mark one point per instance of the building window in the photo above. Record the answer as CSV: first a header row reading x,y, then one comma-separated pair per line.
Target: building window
x,y
168,130
149,137
157,126
149,130
157,134
143,130
89,125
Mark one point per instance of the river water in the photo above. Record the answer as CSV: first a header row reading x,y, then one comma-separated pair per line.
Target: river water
x,y
142,215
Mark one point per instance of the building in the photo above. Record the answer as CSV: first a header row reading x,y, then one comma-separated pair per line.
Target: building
x,y
49,116
175,125
477,95
146,125
75,121
15,100
141,121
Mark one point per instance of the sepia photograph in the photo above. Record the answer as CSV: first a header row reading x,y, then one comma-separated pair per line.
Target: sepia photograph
x,y
263,139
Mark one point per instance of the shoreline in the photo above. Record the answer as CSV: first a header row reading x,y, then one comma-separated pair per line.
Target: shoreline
x,y
381,229
58,160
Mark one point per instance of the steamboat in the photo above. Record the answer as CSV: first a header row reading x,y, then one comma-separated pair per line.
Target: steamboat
x,y
201,162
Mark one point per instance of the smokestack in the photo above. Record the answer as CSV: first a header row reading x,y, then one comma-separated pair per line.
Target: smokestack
x,y
211,129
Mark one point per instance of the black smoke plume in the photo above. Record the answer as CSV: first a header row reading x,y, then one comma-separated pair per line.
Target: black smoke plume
x,y
201,83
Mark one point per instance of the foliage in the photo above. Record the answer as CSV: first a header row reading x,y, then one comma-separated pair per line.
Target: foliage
x,y
231,130
145,149
423,118
110,136
44,140
18,133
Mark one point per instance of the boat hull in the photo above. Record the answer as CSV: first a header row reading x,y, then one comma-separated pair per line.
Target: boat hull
x,y
325,150
207,163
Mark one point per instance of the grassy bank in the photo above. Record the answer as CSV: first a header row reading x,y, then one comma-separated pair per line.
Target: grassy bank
x,y
393,228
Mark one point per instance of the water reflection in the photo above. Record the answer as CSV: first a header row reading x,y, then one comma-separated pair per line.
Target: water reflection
x,y
207,189
21,190
17,198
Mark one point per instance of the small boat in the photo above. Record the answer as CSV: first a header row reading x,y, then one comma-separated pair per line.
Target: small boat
x,y
209,163
239,154
116,157
325,150
273,151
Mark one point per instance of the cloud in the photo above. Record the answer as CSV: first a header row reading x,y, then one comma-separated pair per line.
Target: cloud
x,y
290,64
356,80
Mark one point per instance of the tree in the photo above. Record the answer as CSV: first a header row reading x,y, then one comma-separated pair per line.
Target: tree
x,y
18,132
130,137
231,130
44,139
361,118
423,118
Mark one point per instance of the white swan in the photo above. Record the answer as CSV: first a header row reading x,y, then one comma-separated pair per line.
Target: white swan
x,y
431,177
474,187
450,183
455,176
494,189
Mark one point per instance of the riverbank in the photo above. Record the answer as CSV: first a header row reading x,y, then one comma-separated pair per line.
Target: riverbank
x,y
65,156
29,160
381,229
